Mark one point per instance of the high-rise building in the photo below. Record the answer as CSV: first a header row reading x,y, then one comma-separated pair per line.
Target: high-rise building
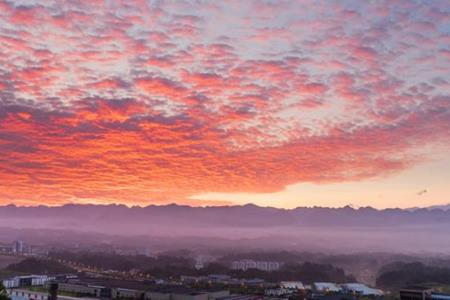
x,y
19,247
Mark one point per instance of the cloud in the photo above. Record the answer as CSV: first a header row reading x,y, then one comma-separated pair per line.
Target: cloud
x,y
159,86
137,104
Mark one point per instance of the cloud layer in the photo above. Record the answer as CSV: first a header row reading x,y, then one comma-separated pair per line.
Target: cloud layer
x,y
153,102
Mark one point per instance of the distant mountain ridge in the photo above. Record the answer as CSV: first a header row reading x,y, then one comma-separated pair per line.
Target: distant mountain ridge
x,y
248,215
348,228
441,207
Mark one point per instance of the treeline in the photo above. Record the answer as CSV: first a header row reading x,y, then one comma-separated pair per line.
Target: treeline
x,y
281,256
39,266
399,274
124,263
166,266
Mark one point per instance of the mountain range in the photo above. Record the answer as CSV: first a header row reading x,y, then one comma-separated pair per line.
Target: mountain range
x,y
140,219
307,228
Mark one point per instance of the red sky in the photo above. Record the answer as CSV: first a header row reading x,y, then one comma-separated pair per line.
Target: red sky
x,y
214,103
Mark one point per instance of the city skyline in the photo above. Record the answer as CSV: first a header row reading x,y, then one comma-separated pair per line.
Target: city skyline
x,y
276,103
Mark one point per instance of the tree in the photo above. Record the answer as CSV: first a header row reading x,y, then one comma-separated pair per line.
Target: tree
x,y
3,293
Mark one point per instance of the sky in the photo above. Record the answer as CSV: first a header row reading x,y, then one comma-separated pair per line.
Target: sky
x,y
276,103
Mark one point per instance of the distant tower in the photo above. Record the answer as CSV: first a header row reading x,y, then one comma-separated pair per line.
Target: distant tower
x,y
18,247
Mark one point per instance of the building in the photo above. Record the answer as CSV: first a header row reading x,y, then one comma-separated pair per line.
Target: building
x,y
361,289
246,264
253,282
325,287
128,289
37,280
294,285
421,293
121,293
278,292
183,293
439,296
220,278
28,280
19,247
416,293
18,294
193,279
11,283
81,289
242,297
199,265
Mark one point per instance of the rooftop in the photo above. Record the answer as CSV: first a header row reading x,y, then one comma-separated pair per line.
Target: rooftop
x,y
148,286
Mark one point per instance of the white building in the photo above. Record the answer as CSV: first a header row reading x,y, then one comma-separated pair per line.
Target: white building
x,y
326,287
278,292
246,264
362,289
18,294
39,279
18,247
33,280
199,264
293,285
27,295
11,283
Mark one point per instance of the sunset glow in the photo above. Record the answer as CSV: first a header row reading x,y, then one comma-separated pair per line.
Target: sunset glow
x,y
278,103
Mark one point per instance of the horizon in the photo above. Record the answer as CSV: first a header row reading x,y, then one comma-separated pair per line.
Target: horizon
x,y
276,103
442,207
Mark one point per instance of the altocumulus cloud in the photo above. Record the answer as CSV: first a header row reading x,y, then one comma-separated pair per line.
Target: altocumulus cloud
x,y
148,103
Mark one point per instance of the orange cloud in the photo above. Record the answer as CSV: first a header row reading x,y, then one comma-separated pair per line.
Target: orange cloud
x,y
138,103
